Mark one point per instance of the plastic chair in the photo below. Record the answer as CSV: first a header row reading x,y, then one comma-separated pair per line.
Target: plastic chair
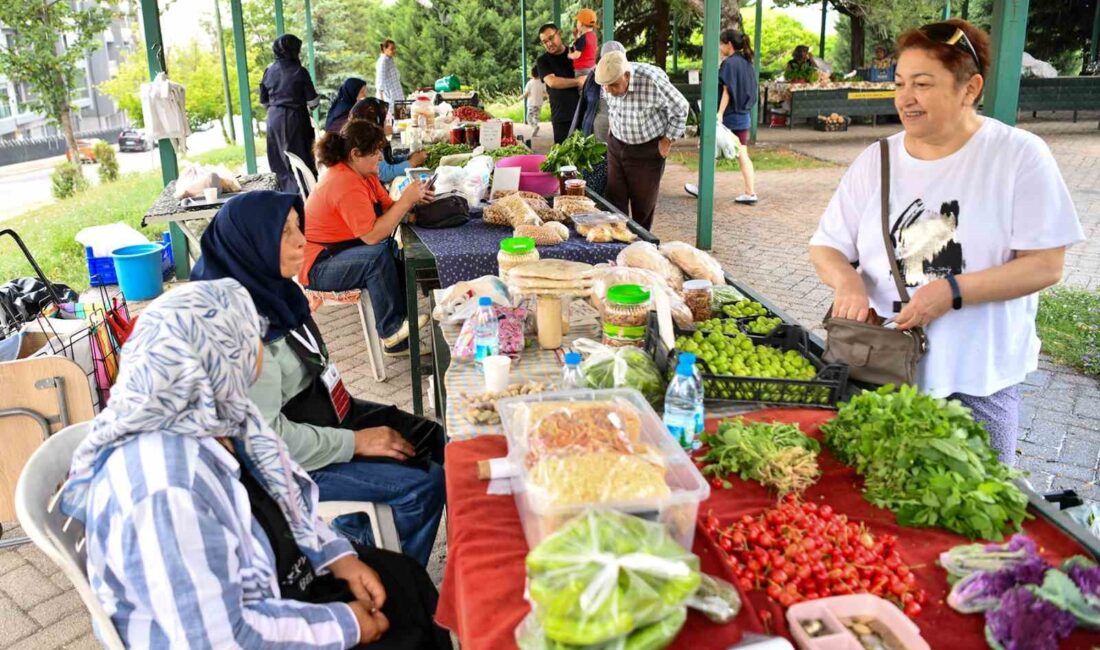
x,y
44,522
382,523
302,173
366,318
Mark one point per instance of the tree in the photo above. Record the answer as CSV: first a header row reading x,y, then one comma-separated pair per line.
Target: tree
x,y
1057,32
37,56
779,35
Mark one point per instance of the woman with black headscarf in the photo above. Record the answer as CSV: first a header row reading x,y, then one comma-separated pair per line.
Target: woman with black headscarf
x,y
351,91
287,92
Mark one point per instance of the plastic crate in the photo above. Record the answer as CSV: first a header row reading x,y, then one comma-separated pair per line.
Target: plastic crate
x,y
101,270
821,125
825,389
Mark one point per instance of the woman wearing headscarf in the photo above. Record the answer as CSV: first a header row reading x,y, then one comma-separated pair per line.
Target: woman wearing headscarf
x,y
351,91
201,530
373,110
256,239
287,92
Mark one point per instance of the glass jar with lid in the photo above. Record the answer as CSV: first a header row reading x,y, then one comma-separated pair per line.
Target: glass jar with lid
x,y
566,173
515,251
697,296
625,315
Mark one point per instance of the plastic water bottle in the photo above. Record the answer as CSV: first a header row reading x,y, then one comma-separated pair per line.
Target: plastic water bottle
x,y
571,377
680,399
700,411
486,330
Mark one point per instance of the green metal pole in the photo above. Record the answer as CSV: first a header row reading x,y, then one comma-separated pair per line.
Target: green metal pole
x,y
947,10
824,15
675,43
523,48
169,167
280,24
225,71
966,10
756,67
608,20
1095,35
242,86
555,17
707,124
1002,93
310,52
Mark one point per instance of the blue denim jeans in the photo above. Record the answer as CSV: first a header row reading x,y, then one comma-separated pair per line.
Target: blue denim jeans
x,y
372,267
417,498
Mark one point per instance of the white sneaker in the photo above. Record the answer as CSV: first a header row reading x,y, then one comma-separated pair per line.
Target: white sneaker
x,y
403,333
746,199
692,189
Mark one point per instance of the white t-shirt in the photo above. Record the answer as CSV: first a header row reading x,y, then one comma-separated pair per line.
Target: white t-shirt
x,y
1001,192
536,92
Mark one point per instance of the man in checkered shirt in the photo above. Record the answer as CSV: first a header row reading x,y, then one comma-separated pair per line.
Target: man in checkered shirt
x,y
386,77
647,113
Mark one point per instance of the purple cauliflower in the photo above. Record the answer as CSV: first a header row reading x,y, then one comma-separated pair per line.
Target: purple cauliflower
x,y
981,590
1024,622
1018,542
1086,576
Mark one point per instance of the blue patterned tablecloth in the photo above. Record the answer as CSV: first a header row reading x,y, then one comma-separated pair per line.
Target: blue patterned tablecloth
x,y
470,251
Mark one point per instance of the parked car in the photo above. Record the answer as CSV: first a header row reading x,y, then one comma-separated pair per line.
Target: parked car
x,y
86,149
133,140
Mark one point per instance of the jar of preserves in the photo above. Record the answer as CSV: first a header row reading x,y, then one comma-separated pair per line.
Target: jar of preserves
x,y
513,252
625,315
566,173
575,187
506,130
458,135
473,135
698,295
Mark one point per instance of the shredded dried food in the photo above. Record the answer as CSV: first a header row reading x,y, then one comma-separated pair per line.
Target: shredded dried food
x,y
572,428
597,477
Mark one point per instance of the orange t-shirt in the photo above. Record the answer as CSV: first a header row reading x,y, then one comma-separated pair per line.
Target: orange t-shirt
x,y
343,206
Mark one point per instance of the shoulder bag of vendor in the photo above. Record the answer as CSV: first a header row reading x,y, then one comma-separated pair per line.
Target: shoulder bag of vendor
x,y
877,354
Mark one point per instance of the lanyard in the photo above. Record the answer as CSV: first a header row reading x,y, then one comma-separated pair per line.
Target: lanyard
x,y
310,345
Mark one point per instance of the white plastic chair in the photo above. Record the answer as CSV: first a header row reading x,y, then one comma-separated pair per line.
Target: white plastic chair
x,y
361,299
302,173
44,522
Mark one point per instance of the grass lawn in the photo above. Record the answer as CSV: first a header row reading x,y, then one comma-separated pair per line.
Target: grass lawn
x,y
512,109
1069,326
764,159
231,156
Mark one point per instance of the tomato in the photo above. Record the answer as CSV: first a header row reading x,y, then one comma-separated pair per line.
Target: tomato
x,y
738,539
716,483
754,566
912,610
780,576
826,511
774,592
897,587
726,544
785,599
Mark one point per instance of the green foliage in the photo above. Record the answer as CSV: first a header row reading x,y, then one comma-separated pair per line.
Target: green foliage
x,y
510,106
34,56
108,162
231,156
779,35
582,152
763,159
1069,326
67,180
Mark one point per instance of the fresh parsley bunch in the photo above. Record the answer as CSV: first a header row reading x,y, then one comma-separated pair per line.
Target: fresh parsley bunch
x,y
928,461
582,152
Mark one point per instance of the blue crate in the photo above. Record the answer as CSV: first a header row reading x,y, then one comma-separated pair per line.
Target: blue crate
x,y
101,270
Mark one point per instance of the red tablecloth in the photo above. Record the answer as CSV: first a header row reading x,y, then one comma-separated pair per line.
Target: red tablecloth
x,y
482,595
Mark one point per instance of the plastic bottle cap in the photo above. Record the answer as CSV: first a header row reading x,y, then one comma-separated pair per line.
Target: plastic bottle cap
x,y
627,294
567,168
485,301
572,358
685,369
698,285
517,245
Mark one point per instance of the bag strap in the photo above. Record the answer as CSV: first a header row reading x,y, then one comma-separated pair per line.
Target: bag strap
x,y
884,166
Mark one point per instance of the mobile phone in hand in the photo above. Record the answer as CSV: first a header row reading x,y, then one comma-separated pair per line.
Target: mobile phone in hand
x,y
431,183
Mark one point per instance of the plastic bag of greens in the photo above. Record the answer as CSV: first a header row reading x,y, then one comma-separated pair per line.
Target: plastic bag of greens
x,y
625,367
530,636
605,575
717,599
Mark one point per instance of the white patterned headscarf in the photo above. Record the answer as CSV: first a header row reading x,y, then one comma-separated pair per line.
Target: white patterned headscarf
x,y
186,371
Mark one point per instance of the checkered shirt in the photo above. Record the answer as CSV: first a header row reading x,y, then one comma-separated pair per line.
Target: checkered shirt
x,y
388,79
651,107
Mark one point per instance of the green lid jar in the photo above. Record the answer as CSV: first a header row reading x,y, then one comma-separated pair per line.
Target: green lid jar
x,y
515,251
625,315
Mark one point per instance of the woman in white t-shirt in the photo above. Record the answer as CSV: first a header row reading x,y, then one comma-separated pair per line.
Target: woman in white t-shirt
x,y
980,217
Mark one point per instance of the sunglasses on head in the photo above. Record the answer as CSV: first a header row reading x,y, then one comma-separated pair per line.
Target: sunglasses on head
x,y
950,34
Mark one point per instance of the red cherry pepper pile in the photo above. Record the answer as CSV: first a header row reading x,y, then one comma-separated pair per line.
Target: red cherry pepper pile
x,y
800,551
471,114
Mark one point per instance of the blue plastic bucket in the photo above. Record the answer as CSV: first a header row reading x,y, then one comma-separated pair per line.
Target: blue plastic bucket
x,y
138,270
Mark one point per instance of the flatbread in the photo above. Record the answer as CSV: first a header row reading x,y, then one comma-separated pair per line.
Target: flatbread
x,y
551,269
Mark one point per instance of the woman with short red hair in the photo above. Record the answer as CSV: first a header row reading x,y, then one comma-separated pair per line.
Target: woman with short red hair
x,y
980,219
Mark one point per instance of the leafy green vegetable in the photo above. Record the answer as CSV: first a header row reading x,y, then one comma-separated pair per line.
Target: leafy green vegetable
x,y
439,150
928,461
626,367
505,152
582,152
778,455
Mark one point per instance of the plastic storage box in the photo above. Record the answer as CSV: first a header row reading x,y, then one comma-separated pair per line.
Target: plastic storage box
x,y
101,270
831,612
541,515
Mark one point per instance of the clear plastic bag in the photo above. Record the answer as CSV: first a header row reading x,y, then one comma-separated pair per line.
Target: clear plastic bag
x,y
608,276
620,367
607,577
511,321
726,143
697,264
520,212
717,599
554,428
644,255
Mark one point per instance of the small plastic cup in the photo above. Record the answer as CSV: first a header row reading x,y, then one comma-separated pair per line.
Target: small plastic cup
x,y
497,368
210,194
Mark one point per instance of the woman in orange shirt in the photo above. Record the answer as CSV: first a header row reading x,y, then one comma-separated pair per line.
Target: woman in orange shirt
x,y
350,220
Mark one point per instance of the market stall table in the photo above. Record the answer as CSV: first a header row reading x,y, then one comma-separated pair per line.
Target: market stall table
x,y
194,219
482,594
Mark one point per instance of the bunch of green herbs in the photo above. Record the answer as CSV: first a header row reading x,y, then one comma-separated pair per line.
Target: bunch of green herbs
x,y
776,454
580,151
928,461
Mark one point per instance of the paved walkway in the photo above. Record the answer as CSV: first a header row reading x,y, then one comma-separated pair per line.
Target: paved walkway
x,y
765,246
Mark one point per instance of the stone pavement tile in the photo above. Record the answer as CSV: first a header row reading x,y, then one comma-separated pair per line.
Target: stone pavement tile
x,y
10,558
1046,433
58,634
14,622
1080,452
86,642
38,559
27,586
1032,450
1081,474
1089,408
57,608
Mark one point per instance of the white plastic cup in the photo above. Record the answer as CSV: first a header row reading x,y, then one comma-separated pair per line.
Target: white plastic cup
x,y
497,369
210,194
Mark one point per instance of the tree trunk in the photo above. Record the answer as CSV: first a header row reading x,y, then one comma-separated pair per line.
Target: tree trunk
x,y
859,40
66,120
731,14
662,32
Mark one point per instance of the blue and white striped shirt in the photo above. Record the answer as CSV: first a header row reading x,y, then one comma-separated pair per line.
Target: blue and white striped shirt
x,y
178,561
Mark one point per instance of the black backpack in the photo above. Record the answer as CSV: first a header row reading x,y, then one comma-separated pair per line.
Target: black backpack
x,y
448,210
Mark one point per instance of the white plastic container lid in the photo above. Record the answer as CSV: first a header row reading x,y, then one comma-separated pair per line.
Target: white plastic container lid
x,y
698,285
